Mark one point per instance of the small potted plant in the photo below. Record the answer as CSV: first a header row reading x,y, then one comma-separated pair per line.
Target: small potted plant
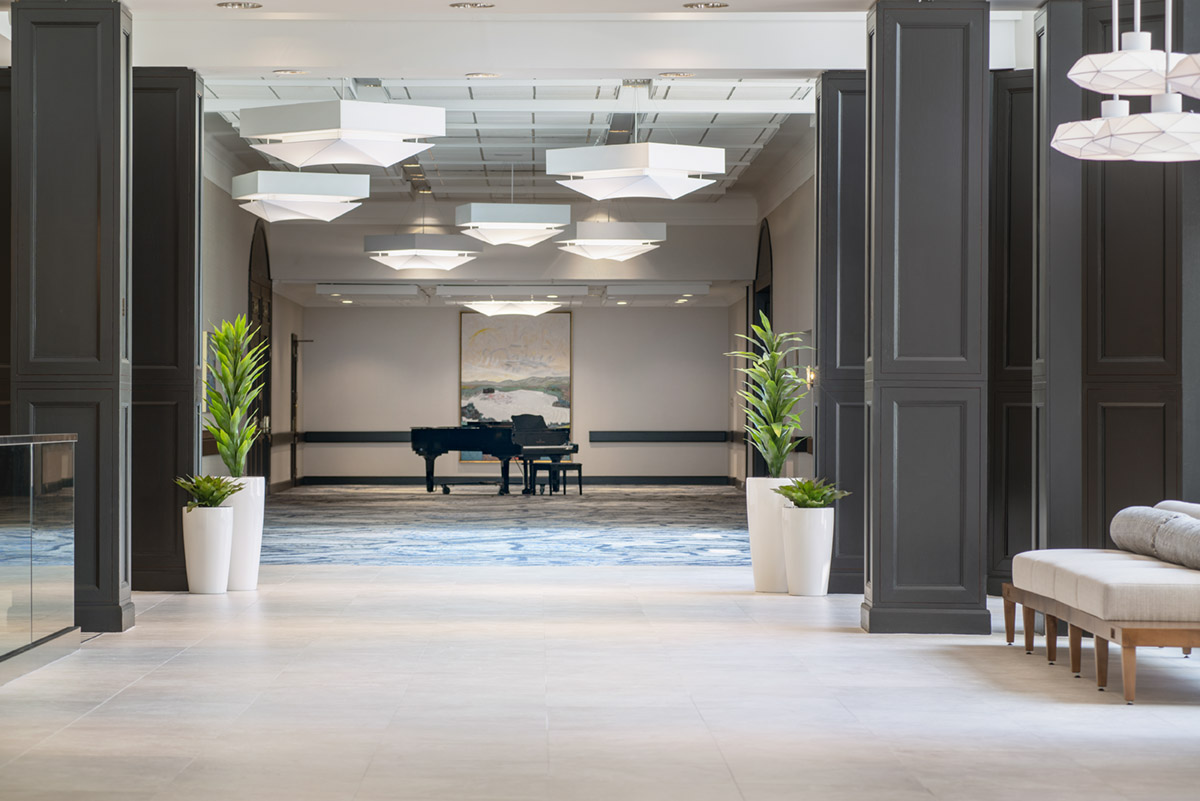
x,y
234,384
773,388
207,532
806,524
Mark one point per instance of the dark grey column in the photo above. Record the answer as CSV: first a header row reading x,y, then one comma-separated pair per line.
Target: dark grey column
x,y
167,145
1010,399
1058,280
71,366
926,369
841,308
5,247
1108,371
1189,42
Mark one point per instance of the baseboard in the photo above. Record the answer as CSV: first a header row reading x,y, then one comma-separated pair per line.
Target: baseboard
x,y
280,486
419,481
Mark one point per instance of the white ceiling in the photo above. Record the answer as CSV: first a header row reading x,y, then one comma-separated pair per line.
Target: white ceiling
x,y
497,154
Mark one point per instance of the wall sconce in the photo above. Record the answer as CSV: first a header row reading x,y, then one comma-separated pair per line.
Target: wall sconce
x,y
810,375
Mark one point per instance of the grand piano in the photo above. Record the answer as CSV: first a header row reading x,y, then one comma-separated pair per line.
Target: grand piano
x,y
527,437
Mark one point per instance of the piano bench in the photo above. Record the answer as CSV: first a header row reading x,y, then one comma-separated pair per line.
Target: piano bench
x,y
556,469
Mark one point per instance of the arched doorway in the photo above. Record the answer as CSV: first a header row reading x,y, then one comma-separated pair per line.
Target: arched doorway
x,y
258,461
760,303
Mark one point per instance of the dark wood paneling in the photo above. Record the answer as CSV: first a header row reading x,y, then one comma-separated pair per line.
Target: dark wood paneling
x,y
71,367
5,248
927,362
1011,323
1133,436
841,309
166,272
1010,484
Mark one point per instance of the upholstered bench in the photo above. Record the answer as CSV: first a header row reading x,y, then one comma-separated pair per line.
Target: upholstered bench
x,y
1132,599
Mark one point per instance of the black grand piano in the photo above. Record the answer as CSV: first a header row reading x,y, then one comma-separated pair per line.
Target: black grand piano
x,y
527,437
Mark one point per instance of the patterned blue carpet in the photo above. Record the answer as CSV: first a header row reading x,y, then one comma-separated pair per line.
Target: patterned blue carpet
x,y
371,525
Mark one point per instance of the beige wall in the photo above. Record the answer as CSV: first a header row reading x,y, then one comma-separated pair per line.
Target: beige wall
x,y
225,235
633,369
794,285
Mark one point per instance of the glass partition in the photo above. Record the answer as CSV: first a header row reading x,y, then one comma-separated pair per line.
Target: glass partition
x,y
15,548
53,538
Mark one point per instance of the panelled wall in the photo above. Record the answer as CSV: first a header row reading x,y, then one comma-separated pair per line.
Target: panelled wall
x,y
1108,372
1010,302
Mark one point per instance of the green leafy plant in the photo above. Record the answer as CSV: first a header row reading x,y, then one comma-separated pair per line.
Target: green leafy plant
x,y
809,494
235,381
208,491
772,392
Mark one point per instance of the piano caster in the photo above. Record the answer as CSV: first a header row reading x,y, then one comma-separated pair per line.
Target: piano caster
x,y
445,489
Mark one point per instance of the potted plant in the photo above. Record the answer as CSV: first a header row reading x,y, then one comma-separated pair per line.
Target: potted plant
x,y
207,532
807,529
235,381
772,391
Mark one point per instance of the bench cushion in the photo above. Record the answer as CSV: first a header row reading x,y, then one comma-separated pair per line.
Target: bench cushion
x,y
1112,585
1172,536
1183,507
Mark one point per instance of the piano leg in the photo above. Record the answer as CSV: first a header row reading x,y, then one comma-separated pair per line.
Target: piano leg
x,y
527,470
429,460
504,466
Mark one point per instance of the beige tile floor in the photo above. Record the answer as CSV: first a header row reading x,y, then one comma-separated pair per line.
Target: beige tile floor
x,y
566,684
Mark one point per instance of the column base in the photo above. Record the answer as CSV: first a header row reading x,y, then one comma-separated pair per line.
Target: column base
x,y
104,617
925,620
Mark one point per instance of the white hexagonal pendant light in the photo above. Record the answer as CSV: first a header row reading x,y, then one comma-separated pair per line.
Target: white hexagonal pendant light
x,y
643,169
498,308
342,131
523,224
1135,69
281,196
614,241
420,251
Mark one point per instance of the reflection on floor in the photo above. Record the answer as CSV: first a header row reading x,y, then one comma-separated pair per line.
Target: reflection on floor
x,y
646,525
334,683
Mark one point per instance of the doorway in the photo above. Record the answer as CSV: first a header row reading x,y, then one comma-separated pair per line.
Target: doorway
x,y
258,461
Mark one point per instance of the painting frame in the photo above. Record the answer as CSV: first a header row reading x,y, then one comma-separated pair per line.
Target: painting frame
x,y
560,317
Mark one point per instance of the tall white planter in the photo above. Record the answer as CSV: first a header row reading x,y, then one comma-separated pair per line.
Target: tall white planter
x,y
807,549
763,509
247,507
207,536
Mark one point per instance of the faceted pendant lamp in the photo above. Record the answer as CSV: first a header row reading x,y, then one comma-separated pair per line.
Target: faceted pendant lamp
x,y
615,241
1088,139
1135,69
643,169
1185,77
420,251
342,131
523,224
496,308
280,196
1166,134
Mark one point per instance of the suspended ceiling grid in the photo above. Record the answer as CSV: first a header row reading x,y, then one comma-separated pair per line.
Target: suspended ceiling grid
x,y
497,131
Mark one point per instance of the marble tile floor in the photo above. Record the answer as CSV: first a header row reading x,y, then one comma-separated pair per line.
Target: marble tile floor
x,y
632,683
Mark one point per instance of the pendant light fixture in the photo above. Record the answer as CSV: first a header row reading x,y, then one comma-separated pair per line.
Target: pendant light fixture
x,y
523,224
420,251
342,131
280,196
1165,134
643,169
497,308
614,241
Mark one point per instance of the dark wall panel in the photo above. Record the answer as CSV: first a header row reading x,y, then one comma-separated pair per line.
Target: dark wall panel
x,y
5,248
1010,496
166,268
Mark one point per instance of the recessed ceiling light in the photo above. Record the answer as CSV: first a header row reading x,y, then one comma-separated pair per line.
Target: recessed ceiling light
x,y
483,75
677,75
413,164
240,6
291,72
687,296
347,301
622,303
619,130
704,6
552,296
335,294
472,5
682,300
424,191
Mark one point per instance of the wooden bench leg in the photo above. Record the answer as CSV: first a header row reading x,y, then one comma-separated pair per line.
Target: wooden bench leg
x,y
1051,639
1075,637
1187,652
1101,648
1129,671
1010,621
1029,614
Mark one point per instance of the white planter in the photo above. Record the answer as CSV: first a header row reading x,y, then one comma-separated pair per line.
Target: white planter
x,y
207,534
763,508
247,507
807,549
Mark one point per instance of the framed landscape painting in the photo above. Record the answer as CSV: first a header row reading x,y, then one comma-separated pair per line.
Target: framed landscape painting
x,y
514,364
